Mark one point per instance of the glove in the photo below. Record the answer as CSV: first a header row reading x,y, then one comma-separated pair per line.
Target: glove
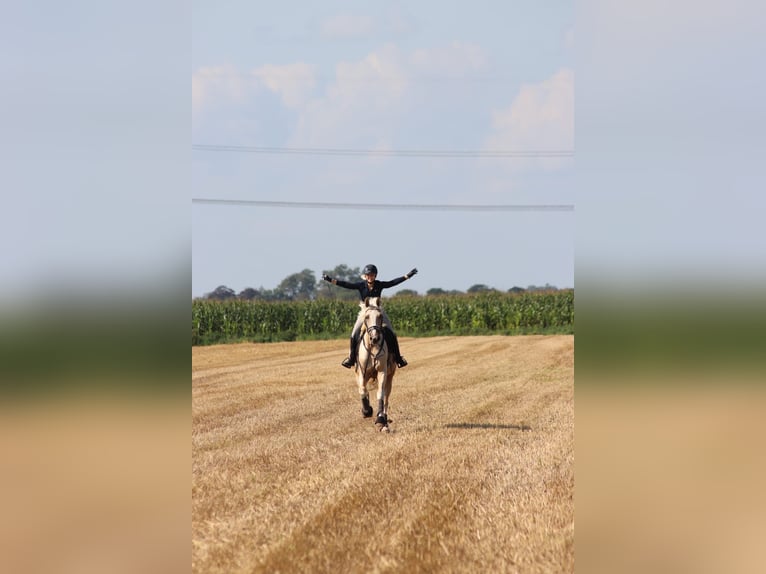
x,y
411,273
326,277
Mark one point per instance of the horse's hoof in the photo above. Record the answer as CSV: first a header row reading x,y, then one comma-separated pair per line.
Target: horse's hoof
x,y
381,420
367,412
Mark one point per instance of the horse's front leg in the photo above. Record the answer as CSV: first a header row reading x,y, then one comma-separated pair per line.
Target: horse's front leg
x,y
366,408
382,417
389,384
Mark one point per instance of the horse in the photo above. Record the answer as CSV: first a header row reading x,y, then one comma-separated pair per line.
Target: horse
x,y
374,362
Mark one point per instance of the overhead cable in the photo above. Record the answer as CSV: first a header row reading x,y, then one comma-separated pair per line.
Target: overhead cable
x,y
384,206
434,153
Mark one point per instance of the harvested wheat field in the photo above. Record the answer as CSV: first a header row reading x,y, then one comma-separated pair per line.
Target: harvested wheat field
x,y
476,475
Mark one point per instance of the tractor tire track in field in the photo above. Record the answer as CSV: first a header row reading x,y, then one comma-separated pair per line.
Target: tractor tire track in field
x,y
476,475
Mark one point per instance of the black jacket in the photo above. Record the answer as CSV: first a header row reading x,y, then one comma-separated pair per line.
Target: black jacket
x,y
377,286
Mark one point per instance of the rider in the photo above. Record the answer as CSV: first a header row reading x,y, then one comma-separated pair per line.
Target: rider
x,y
371,287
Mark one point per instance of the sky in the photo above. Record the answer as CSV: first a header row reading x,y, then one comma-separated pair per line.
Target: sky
x,y
383,77
98,169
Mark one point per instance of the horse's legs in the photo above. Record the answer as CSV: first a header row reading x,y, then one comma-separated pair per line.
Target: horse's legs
x,y
382,417
366,408
387,393
389,384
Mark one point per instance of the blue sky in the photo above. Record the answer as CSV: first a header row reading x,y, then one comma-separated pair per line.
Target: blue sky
x,y
393,76
96,132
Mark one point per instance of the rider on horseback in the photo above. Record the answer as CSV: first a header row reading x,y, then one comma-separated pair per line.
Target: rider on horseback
x,y
371,287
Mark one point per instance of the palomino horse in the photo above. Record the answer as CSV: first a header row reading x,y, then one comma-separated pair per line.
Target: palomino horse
x,y
374,362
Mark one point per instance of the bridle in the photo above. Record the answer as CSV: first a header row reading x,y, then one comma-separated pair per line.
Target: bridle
x,y
369,329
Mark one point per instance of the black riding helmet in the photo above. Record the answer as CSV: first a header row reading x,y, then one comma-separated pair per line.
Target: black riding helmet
x,y
370,270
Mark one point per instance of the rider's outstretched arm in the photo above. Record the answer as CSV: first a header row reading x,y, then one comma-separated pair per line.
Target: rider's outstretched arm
x,y
341,283
402,279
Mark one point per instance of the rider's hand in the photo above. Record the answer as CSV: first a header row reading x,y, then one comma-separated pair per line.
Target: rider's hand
x,y
411,273
326,277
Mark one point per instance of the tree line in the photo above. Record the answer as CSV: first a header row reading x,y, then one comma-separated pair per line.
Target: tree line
x,y
304,286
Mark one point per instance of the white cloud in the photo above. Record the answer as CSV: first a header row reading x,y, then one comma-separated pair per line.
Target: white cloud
x,y
364,105
359,105
293,82
541,117
369,99
343,26
215,85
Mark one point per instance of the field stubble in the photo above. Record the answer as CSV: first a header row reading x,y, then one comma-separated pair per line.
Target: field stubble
x,y
477,474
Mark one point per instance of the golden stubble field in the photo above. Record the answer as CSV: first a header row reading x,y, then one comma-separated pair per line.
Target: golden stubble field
x,y
477,474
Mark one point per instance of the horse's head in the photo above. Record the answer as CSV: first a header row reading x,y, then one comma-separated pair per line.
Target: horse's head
x,y
373,320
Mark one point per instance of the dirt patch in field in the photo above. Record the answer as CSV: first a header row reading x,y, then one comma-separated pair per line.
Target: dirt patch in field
x,y
477,474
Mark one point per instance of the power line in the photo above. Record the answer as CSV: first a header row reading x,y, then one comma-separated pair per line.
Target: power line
x,y
383,206
361,78
387,152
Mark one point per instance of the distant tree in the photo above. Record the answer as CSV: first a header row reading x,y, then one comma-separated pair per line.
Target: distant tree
x,y
546,287
272,295
406,293
436,291
479,289
298,286
516,290
221,293
249,294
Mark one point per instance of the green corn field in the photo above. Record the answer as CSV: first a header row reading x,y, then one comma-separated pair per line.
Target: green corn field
x,y
468,314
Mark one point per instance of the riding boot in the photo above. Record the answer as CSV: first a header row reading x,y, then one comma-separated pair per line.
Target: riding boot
x,y
350,361
393,343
